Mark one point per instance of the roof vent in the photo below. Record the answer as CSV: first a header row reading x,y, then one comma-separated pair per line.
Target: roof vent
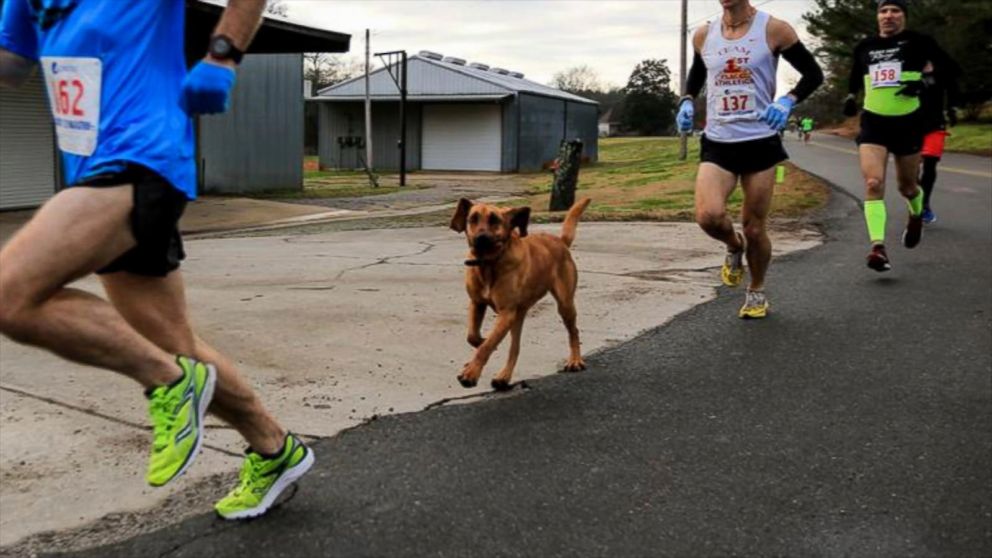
x,y
478,66
517,75
431,54
455,61
501,71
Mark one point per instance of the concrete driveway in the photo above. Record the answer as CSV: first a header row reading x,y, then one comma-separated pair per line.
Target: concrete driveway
x,y
334,329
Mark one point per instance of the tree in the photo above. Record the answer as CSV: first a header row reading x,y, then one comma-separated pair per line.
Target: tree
x,y
578,80
277,7
649,105
324,69
962,28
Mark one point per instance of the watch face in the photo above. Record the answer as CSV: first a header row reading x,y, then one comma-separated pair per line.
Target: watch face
x,y
220,47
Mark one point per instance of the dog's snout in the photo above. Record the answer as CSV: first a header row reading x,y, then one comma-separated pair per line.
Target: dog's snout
x,y
484,242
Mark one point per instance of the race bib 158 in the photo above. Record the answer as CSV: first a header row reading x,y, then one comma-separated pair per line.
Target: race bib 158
x,y
73,85
885,74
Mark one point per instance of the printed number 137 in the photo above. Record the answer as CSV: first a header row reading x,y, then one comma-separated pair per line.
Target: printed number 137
x,y
67,97
734,103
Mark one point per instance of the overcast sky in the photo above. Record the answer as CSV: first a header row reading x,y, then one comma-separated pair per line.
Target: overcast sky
x,y
536,37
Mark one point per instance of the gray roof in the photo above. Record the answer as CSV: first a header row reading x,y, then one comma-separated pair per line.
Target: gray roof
x,y
436,79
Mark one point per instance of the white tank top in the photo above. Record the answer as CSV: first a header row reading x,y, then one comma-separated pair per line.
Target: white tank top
x,y
740,82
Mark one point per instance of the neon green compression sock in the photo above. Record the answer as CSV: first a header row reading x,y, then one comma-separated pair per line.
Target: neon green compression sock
x,y
916,203
875,217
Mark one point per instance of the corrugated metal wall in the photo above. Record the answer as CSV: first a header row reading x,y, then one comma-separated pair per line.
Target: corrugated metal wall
x,y
543,126
27,146
511,116
583,123
258,144
348,120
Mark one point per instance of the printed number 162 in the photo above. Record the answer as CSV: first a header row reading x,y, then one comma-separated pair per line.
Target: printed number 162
x,y
67,97
735,103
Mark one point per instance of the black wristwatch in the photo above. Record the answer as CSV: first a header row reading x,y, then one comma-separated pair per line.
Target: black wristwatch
x,y
222,48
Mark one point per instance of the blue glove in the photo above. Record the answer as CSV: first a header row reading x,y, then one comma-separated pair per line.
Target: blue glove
x,y
777,113
684,117
207,89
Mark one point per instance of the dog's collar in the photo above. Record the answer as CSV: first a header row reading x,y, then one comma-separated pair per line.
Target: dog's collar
x,y
473,263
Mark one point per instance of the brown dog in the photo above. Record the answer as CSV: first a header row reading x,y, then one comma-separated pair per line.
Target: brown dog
x,y
509,271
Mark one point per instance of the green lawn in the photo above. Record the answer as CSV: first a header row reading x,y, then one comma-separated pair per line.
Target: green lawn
x,y
971,138
335,184
642,178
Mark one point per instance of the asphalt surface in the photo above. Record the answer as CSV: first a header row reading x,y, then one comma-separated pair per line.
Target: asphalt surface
x,y
855,421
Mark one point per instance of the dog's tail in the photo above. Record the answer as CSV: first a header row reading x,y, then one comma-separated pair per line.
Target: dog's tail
x,y
572,221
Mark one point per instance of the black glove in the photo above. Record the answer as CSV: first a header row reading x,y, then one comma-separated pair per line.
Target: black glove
x,y
952,116
911,88
850,106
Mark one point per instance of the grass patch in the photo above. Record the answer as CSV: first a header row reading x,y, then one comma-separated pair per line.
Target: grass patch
x,y
971,138
642,179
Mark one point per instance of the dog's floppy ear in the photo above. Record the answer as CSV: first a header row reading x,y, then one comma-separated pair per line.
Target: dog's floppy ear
x,y
519,217
461,215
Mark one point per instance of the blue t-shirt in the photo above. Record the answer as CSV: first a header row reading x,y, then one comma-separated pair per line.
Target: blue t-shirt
x,y
113,71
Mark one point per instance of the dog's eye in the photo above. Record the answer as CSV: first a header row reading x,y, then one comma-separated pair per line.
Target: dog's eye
x,y
474,219
493,220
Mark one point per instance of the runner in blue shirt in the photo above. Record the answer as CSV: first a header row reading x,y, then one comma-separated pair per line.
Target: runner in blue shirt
x,y
121,102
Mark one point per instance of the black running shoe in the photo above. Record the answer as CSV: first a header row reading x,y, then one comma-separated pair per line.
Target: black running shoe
x,y
878,259
914,231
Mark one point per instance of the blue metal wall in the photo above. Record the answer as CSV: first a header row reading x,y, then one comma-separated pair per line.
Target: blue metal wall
x,y
545,122
347,119
258,144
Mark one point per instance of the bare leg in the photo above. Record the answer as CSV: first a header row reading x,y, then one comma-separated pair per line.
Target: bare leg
x,y
713,187
156,307
77,232
907,167
758,189
873,160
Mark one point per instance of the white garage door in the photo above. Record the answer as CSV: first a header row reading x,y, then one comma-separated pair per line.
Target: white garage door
x,y
27,146
462,137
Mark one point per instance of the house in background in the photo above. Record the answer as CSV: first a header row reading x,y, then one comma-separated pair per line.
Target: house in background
x,y
257,145
460,116
608,127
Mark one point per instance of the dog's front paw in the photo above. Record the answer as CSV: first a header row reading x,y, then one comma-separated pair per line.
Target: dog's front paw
x,y
574,365
501,385
470,375
475,340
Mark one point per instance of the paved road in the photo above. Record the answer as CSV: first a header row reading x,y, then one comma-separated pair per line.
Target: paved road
x,y
856,421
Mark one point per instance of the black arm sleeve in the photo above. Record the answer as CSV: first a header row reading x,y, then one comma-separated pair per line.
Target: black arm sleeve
x,y
857,79
697,76
812,76
947,72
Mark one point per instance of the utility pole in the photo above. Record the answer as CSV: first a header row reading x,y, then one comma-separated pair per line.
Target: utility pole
x,y
368,108
683,138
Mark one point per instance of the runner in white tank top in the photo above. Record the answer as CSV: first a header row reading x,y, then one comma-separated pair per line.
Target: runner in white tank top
x,y
736,57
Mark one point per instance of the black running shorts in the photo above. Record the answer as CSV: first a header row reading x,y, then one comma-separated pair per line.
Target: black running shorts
x,y
154,221
744,157
901,135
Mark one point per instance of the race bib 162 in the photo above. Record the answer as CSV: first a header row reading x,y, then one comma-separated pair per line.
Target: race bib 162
x,y
73,85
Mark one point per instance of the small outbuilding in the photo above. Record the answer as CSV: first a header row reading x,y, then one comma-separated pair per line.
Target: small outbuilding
x,y
257,145
460,116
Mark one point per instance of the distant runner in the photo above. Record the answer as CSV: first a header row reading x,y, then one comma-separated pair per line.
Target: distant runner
x,y
807,129
889,68
737,58
942,89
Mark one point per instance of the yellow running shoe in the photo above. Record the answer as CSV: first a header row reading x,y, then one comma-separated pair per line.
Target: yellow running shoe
x,y
755,306
177,412
732,272
262,480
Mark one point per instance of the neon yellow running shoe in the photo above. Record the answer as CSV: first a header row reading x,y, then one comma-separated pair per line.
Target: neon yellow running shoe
x,y
177,412
262,480
732,272
755,305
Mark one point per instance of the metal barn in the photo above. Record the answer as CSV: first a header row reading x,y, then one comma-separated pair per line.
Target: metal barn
x,y
460,116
